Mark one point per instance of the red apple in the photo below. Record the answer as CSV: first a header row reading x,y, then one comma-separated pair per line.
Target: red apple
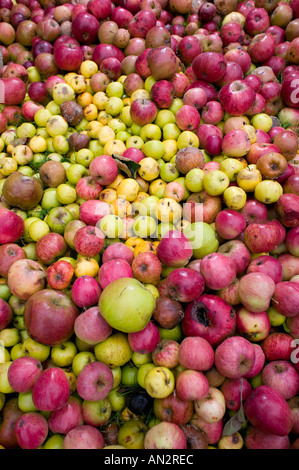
x,y
209,66
277,346
282,377
192,385
174,249
146,340
51,390
23,373
85,291
6,314
218,271
237,97
114,269
255,291
66,418
84,437
50,247
196,353
173,409
234,357
147,268
91,327
31,430
94,381
185,284
26,277
231,389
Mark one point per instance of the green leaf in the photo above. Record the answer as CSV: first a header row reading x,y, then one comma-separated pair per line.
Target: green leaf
x,y
128,166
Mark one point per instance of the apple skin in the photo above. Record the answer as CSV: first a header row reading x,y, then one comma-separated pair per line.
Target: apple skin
x,y
218,271
93,210
234,357
268,411
258,364
70,416
237,97
252,237
173,409
129,312
209,66
50,247
6,314
277,346
268,265
230,224
112,270
237,251
285,298
118,250
282,377
290,265
31,430
95,381
255,291
84,437
13,90
174,249
209,317
192,385
85,291
287,210
11,226
49,307
231,389
26,277
166,353
103,169
165,436
146,340
196,353
91,327
256,439
51,390
89,241
23,373
185,284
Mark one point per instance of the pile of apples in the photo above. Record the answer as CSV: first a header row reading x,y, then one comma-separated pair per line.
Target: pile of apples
x,y
149,224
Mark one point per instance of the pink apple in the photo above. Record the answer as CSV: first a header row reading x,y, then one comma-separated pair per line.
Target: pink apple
x,y
286,298
254,211
84,437
277,346
103,169
25,278
146,340
118,250
87,188
85,291
174,249
287,209
11,226
209,66
212,430
187,118
31,430
238,252
134,154
255,291
292,241
234,357
89,241
95,381
166,353
256,439
50,247
237,97
259,361
253,326
231,389
218,271
282,377
185,284
91,327
162,94
212,407
230,224
143,111
165,436
290,265
23,373
51,390
269,240
113,269
192,385
6,314
196,353
268,411
146,267
268,265
92,211
257,21
69,417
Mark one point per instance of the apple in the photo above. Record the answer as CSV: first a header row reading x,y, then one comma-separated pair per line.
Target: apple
x,y
268,411
60,274
195,437
212,265
274,371
285,298
231,389
168,312
277,346
165,436
270,237
174,249
287,208
50,247
9,253
253,326
11,413
236,97
196,353
268,265
209,317
31,430
95,381
211,408
211,430
162,62
49,307
165,353
66,418
147,268
85,291
230,224
146,340
26,277
256,290
84,437
209,66
256,439
258,364
23,373
173,409
179,282
192,385
24,192
6,314
51,390
234,357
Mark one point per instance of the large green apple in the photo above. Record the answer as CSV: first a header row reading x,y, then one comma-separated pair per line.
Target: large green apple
x,y
127,305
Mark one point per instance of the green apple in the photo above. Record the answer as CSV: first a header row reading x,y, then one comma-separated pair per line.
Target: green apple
x,y
17,305
125,116
81,359
29,249
111,225
144,226
97,413
164,116
276,318
54,442
26,170
60,144
147,205
135,128
66,192
163,228
9,337
194,180
115,350
33,74
63,92
169,172
154,149
4,354
26,130
56,125
139,359
129,374
58,218
176,105
2,400
268,191
116,371
37,350
150,132
38,229
96,148
114,105
149,82
171,131
142,371
75,172
202,238
122,136
116,399
215,182
175,333
115,89
256,381
41,117
19,323
127,305
63,354
25,402
187,139
131,434
135,141
84,157
4,383
5,292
